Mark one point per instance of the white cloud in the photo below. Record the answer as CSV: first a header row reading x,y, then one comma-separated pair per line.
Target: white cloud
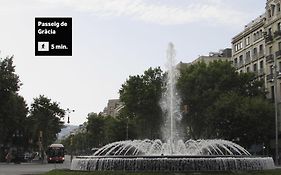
x,y
213,11
159,12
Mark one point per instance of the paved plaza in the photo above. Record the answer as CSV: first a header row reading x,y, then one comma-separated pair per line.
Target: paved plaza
x,y
31,168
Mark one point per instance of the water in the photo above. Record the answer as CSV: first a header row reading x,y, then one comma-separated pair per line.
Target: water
x,y
157,147
170,102
173,154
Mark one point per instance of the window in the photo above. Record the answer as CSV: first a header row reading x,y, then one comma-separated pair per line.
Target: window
x,y
278,7
272,93
248,55
247,41
279,45
269,31
261,64
261,48
271,69
272,10
235,61
270,50
238,46
269,13
248,69
255,52
279,26
241,59
255,67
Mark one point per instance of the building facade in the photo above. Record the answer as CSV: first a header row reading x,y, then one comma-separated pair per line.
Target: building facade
x,y
113,107
224,55
258,49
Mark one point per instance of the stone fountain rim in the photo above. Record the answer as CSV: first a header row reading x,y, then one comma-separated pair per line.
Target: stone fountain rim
x,y
169,156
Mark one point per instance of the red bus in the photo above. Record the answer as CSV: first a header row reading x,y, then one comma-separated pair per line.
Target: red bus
x,y
55,153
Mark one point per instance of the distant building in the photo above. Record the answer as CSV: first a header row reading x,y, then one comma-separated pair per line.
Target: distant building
x,y
113,107
224,55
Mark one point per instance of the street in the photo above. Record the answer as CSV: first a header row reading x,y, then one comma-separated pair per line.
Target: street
x,y
31,168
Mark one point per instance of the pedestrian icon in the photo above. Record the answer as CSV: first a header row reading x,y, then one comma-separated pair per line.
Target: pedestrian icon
x,y
43,46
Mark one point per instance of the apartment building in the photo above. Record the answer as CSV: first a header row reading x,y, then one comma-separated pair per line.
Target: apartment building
x,y
248,49
258,49
272,37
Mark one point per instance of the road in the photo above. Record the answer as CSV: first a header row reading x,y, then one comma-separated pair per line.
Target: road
x,y
31,168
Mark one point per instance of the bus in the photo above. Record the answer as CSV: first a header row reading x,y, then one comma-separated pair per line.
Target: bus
x,y
55,153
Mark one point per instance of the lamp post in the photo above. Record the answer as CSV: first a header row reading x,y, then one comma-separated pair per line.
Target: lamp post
x,y
71,146
68,112
276,111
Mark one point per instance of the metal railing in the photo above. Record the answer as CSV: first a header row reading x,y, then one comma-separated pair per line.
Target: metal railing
x,y
270,58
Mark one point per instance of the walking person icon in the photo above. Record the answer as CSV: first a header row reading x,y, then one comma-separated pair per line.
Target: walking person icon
x,y
43,46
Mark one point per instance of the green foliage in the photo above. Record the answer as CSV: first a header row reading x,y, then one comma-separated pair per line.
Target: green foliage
x,y
13,108
9,81
140,95
224,102
45,116
104,129
96,132
245,120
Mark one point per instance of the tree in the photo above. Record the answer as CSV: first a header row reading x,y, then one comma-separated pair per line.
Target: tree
x,y
13,108
245,120
207,90
141,95
9,81
45,117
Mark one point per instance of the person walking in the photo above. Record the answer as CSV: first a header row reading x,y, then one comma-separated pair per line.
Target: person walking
x,y
9,157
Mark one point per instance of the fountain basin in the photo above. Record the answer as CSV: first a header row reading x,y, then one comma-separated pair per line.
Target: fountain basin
x,y
173,163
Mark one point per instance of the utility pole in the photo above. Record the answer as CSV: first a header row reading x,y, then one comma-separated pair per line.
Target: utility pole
x,y
276,112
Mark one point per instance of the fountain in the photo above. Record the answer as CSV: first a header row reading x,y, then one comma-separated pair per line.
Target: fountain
x,y
173,155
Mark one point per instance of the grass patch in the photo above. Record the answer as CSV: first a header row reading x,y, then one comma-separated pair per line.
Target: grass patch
x,y
68,172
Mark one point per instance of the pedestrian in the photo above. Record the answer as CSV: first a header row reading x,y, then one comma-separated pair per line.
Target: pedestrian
x,y
9,157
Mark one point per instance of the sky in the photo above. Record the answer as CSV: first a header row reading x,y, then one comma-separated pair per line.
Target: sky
x,y
111,40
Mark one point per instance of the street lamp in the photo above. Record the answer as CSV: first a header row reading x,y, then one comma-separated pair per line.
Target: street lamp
x,y
68,112
71,146
276,112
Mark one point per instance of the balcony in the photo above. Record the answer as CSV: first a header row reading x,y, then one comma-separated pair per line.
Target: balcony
x,y
270,58
261,72
270,78
247,60
277,34
279,74
256,72
255,57
261,54
240,64
268,38
278,54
